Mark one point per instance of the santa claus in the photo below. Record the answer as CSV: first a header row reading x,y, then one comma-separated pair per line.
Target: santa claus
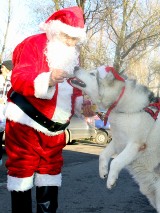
x,y
40,105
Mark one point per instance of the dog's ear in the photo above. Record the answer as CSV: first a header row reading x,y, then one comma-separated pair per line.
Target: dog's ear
x,y
98,78
109,76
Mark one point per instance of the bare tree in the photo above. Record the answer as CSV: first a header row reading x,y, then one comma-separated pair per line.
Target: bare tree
x,y
6,32
134,28
57,4
154,75
94,52
21,24
117,30
81,3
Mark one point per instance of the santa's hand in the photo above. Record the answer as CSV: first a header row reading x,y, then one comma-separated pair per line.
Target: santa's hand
x,y
57,76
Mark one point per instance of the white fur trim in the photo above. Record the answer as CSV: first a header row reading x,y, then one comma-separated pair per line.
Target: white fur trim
x,y
41,85
64,107
14,113
102,72
19,184
57,26
48,180
78,106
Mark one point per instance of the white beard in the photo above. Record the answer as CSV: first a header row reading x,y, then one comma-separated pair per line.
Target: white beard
x,y
61,56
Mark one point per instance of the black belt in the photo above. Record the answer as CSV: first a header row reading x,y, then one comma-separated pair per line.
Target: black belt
x,y
36,115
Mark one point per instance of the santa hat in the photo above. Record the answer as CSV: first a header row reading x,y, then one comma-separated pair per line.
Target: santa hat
x,y
103,70
69,21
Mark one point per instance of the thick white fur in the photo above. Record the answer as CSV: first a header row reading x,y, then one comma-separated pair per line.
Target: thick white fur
x,y
135,134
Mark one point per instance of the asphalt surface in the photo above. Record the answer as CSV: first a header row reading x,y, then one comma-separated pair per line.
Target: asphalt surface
x,y
82,190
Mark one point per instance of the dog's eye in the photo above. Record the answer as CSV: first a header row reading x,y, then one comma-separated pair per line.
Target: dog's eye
x,y
92,73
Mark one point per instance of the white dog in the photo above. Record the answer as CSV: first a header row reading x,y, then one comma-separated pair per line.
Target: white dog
x,y
135,128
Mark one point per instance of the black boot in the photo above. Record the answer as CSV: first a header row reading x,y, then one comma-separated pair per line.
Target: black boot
x,y
47,199
21,202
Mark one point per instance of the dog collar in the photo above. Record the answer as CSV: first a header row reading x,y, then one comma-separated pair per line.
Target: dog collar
x,y
103,70
114,72
153,109
113,106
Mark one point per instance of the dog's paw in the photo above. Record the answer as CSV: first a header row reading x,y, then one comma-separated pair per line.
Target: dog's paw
x,y
103,174
103,171
111,181
103,166
111,185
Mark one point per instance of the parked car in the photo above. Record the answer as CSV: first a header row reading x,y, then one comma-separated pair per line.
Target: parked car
x,y
88,128
103,133
79,128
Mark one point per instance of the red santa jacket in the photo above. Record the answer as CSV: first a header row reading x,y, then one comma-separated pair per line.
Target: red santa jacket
x,y
30,77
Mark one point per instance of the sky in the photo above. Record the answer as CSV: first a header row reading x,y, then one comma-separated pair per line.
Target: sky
x,y
23,21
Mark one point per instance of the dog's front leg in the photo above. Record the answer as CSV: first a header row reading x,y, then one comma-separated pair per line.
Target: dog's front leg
x,y
104,158
158,195
124,158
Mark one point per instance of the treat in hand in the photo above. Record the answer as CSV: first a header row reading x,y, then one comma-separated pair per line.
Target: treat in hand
x,y
57,76
88,109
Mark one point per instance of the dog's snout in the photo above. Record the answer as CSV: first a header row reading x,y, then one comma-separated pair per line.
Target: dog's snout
x,y
76,68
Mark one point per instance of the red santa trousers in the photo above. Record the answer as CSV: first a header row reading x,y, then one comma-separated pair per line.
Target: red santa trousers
x,y
30,151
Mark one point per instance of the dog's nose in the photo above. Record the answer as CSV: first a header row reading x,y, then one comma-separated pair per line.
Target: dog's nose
x,y
76,68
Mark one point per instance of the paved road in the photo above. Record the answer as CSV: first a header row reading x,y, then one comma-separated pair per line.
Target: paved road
x,y
83,191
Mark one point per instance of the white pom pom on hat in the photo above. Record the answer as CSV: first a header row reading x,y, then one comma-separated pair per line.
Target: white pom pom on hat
x,y
102,71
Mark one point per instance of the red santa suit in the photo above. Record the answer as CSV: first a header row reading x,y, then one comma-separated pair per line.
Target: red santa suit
x,y
33,150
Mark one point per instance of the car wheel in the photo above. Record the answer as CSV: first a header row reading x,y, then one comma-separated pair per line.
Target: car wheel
x,y
72,142
101,137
